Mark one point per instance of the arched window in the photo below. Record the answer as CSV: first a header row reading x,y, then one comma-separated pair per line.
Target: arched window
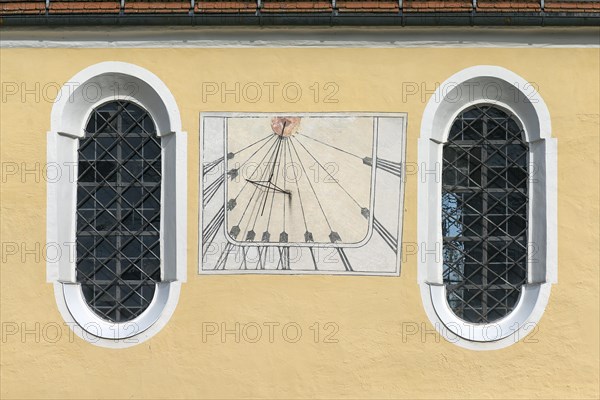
x,y
487,208
484,213
116,216
118,211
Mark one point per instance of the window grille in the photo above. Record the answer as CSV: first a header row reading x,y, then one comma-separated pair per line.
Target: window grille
x,y
118,211
484,214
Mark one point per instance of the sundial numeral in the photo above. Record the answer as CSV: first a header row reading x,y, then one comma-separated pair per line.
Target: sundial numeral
x,y
261,259
386,235
244,265
284,258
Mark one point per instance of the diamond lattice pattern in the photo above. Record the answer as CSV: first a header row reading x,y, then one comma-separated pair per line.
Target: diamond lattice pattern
x,y
118,211
484,214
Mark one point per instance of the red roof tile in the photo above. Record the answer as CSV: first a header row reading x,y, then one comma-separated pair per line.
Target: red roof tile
x,y
235,7
22,7
87,7
296,6
368,6
571,6
438,6
157,7
509,5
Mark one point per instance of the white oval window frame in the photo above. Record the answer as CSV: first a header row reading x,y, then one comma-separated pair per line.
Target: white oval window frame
x,y
74,103
505,89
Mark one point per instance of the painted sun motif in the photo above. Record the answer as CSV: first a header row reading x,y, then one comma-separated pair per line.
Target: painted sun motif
x,y
285,126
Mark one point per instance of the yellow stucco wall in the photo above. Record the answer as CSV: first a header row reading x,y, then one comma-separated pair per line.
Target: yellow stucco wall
x,y
370,359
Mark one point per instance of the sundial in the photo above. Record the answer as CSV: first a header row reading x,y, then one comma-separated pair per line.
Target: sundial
x,y
314,193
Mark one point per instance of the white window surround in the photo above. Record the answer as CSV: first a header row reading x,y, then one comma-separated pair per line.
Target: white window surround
x,y
504,89
88,89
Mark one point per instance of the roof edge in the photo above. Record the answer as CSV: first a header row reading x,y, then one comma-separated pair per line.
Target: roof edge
x,y
314,19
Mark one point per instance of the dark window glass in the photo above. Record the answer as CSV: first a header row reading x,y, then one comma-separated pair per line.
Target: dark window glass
x,y
484,214
118,211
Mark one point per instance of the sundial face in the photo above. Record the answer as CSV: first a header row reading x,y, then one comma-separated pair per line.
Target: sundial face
x,y
287,184
301,193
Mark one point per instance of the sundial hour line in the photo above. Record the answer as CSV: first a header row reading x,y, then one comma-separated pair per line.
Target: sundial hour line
x,y
212,189
311,185
210,231
223,257
247,147
273,197
385,165
312,254
344,259
327,172
297,188
256,188
333,147
249,236
211,165
256,151
277,152
389,239
284,182
257,169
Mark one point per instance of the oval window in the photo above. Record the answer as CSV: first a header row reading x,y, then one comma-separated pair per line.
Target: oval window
x,y
118,211
484,213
